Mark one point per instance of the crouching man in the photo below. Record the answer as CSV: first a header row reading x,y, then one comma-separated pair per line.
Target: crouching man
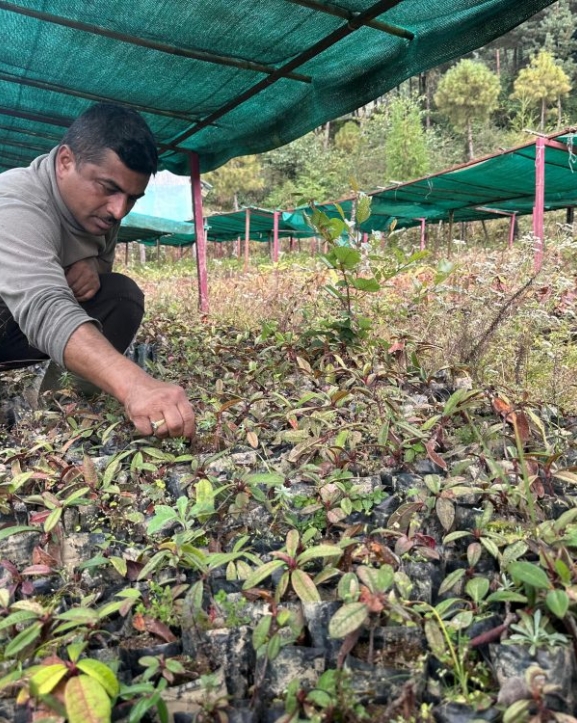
x,y
59,297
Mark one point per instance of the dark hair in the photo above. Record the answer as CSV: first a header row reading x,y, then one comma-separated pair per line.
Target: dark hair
x,y
120,129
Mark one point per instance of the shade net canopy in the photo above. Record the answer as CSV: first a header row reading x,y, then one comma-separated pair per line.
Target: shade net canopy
x,y
230,226
150,229
222,78
491,187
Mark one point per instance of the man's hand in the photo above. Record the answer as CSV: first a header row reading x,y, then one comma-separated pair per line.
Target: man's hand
x,y
82,277
159,408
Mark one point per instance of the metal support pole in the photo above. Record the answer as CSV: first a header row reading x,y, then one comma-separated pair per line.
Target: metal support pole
x,y
512,229
199,231
126,254
246,238
275,237
423,232
539,208
450,241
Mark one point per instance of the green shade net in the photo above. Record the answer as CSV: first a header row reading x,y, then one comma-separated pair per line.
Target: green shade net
x,y
150,229
222,78
230,226
484,189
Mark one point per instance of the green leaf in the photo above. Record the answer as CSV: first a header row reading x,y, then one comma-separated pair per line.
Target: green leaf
x,y
477,588
304,587
292,543
262,572
16,529
445,510
273,647
452,579
363,208
347,619
363,284
513,552
102,673
261,632
47,678
23,640
86,701
558,602
163,514
271,479
435,638
345,257
529,574
319,551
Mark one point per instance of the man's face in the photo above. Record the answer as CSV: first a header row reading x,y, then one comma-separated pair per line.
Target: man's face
x,y
98,195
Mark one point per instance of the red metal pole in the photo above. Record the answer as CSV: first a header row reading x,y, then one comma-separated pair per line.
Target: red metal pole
x,y
423,243
246,237
275,237
539,208
199,231
512,229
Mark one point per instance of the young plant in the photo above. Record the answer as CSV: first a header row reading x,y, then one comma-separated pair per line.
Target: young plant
x,y
292,560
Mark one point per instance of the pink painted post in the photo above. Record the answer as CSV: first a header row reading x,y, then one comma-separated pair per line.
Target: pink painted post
x,y
365,238
539,208
199,231
246,238
275,237
423,239
512,229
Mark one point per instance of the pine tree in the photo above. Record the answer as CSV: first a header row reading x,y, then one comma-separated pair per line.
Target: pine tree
x,y
238,181
468,92
541,84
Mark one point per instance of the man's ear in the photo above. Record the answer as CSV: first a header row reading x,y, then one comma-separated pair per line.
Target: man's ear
x,y
65,161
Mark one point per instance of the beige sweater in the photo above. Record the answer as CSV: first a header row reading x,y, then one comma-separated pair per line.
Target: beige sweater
x,y
39,239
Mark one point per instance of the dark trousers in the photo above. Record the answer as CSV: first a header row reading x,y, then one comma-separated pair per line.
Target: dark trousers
x,y
118,305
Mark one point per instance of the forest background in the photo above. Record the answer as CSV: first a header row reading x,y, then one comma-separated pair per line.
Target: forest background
x,y
487,100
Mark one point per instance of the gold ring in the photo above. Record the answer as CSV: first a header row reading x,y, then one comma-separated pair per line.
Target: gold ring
x,y
156,425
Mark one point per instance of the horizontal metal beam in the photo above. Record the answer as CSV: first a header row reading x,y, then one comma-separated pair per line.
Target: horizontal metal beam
x,y
27,132
201,55
54,88
316,49
37,117
349,15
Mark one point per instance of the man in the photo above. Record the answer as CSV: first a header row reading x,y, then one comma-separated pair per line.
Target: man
x,y
59,298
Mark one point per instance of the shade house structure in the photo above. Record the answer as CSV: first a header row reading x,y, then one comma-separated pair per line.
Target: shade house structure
x,y
218,79
537,176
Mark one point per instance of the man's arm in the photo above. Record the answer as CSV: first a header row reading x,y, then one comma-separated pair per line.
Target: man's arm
x,y
145,399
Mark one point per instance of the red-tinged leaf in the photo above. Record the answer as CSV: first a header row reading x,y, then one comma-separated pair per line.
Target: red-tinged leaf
x,y
521,425
155,627
41,557
403,545
252,439
445,510
501,406
89,471
27,588
133,570
86,701
38,518
138,622
37,570
433,456
396,346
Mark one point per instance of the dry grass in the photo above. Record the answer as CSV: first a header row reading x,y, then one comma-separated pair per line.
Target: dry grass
x,y
490,316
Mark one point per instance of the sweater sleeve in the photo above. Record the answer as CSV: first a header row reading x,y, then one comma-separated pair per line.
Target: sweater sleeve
x,y
32,281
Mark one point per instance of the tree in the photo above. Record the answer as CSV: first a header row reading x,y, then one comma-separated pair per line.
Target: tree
x,y
542,83
406,142
238,181
468,92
